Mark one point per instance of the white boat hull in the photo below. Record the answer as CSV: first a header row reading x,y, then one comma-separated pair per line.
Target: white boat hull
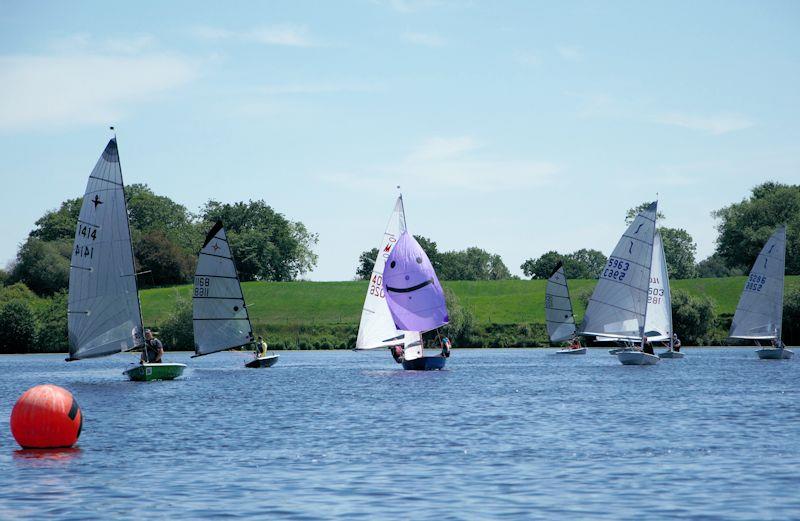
x,y
772,353
637,358
569,351
670,354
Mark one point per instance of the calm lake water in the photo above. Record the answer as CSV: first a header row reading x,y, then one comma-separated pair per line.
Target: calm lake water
x,y
502,434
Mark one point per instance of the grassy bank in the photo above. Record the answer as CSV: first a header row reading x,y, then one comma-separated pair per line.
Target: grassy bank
x,y
320,315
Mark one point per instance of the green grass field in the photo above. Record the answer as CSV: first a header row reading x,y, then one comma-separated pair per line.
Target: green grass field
x,y
499,302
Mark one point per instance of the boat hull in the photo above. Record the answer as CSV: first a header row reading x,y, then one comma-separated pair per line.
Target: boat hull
x,y
637,358
670,354
426,363
149,372
771,353
263,361
568,351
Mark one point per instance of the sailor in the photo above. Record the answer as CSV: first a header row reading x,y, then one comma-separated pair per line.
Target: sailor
x,y
153,348
397,353
446,345
676,342
576,343
647,347
261,347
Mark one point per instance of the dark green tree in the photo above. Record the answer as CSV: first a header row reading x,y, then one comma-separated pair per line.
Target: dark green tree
x,y
692,317
679,250
631,214
472,264
366,261
462,321
584,264
177,331
745,226
163,261
542,267
58,224
714,266
43,266
17,327
51,325
791,317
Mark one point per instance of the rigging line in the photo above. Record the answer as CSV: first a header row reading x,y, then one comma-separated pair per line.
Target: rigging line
x,y
90,224
617,307
215,255
106,180
217,276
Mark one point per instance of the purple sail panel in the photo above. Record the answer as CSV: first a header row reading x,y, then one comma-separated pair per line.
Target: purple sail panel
x,y
413,292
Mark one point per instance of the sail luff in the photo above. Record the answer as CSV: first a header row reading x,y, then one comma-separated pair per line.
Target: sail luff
x,y
652,244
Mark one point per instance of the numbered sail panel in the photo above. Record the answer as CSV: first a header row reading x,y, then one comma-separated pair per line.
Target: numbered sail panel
x,y
558,307
219,312
759,313
377,327
659,305
617,306
104,316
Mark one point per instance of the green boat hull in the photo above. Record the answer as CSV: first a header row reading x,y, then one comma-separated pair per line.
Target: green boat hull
x,y
150,372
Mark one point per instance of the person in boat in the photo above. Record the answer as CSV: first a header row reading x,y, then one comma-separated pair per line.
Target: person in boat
x,y
260,347
446,346
153,348
397,353
647,347
676,343
575,343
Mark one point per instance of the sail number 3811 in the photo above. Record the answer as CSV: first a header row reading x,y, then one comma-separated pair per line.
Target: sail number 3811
x,y
616,269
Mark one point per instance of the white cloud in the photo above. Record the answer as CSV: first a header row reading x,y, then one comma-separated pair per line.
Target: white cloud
x,y
448,163
288,35
714,125
570,52
426,39
83,87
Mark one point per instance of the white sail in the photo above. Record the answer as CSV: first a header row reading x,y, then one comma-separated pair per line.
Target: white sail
x,y
219,313
759,314
104,315
412,346
618,305
377,328
558,307
658,327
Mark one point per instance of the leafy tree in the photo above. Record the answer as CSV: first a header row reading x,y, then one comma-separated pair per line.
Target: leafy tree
x,y
3,277
745,226
58,224
714,266
266,244
51,330
366,261
631,214
177,331
791,317
43,266
472,264
679,250
166,262
542,267
150,213
693,317
462,321
17,327
584,264
17,291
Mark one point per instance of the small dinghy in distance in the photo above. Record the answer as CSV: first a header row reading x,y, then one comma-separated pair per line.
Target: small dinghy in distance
x,y
658,326
220,318
104,315
618,305
759,315
558,312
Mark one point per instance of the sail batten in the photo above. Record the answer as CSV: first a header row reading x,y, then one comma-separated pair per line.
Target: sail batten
x,y
105,316
618,306
759,313
219,314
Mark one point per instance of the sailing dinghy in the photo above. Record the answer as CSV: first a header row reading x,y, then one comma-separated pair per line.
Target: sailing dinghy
x,y
558,311
658,327
618,306
422,309
219,313
759,315
104,314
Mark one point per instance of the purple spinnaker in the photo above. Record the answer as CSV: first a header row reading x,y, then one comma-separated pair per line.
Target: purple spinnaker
x,y
413,292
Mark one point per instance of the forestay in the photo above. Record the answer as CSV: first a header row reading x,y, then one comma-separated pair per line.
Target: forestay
x,y
558,307
760,310
658,327
377,327
104,315
220,316
618,305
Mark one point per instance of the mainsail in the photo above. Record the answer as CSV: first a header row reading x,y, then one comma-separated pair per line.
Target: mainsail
x,y
658,327
377,327
618,305
558,307
219,313
103,310
413,292
759,314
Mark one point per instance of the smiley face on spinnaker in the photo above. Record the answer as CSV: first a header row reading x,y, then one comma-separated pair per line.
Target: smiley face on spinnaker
x,y
413,292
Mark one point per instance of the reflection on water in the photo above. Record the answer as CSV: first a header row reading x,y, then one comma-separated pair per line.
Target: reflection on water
x,y
499,434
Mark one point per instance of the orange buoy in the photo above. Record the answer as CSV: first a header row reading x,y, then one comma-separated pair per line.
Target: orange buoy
x,y
46,417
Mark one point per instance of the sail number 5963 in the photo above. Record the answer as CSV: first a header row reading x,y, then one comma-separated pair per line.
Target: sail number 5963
x,y
616,269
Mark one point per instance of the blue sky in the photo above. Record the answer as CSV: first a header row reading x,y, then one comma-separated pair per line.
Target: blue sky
x,y
518,127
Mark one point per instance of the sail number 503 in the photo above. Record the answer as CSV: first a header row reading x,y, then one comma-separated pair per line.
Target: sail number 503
x,y
202,286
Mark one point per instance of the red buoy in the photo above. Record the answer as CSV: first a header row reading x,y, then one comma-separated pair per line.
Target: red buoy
x,y
46,417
